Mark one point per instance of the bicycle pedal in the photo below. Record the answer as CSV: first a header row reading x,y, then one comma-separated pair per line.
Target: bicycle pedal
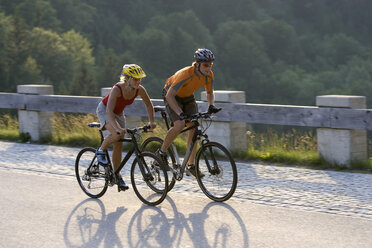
x,y
123,188
188,173
111,182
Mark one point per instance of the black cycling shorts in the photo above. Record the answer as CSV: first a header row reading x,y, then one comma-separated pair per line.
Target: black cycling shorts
x,y
187,104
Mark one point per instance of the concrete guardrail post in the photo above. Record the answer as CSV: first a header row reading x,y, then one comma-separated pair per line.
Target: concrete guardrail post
x,y
342,146
130,121
232,135
37,124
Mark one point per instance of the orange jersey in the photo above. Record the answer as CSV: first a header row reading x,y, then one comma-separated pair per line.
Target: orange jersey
x,y
185,82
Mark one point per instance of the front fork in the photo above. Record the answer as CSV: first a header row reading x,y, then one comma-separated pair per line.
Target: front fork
x,y
212,168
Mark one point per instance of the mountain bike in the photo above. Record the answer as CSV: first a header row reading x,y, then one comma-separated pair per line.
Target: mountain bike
x,y
149,179
212,159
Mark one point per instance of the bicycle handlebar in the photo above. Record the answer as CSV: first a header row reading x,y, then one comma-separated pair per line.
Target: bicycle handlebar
x,y
163,110
203,115
134,130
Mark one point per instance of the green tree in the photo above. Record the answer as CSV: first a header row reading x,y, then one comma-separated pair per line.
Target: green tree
x,y
8,6
267,48
182,47
288,82
212,13
356,77
38,13
4,24
339,48
174,46
79,49
241,59
152,51
31,71
310,87
83,82
110,65
245,28
281,41
15,51
53,57
76,14
309,15
186,21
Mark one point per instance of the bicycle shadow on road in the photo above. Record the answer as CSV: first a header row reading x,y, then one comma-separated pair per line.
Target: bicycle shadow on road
x,y
217,225
89,226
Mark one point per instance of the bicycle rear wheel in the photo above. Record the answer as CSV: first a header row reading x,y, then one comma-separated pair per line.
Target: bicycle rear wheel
x,y
151,184
218,166
152,144
90,175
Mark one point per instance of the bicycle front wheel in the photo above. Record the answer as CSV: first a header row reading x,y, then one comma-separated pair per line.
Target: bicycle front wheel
x,y
149,179
219,169
90,175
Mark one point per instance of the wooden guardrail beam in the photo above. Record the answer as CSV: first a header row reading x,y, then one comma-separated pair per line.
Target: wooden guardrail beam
x,y
309,116
11,100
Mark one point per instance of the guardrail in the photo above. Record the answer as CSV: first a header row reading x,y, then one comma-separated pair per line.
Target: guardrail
x,y
337,116
306,116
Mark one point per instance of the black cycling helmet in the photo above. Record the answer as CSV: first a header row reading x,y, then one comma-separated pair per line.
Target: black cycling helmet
x,y
203,55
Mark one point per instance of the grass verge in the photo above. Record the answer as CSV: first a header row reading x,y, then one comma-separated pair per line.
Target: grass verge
x,y
290,148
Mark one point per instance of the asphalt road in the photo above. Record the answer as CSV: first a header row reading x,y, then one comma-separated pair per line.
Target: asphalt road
x,y
45,207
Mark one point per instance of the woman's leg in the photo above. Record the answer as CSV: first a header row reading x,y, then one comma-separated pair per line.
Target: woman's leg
x,y
111,138
116,155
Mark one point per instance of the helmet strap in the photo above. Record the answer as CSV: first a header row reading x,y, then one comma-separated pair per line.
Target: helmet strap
x,y
199,64
130,87
199,68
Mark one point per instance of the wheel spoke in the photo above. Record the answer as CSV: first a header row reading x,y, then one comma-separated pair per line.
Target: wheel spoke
x,y
150,188
218,166
90,175
152,144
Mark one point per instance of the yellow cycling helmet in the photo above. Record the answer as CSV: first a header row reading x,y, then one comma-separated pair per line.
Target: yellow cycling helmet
x,y
133,70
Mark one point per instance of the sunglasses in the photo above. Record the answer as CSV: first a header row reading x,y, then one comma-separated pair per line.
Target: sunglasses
x,y
206,65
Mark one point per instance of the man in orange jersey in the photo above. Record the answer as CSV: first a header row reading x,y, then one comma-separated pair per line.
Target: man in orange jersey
x,y
180,102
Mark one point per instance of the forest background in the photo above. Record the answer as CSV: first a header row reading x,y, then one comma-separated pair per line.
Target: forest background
x,y
277,51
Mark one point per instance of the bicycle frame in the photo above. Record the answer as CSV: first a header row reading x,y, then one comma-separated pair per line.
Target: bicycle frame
x,y
137,152
195,137
198,134
134,149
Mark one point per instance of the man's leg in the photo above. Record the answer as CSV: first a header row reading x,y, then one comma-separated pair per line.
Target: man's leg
x,y
189,139
190,169
172,134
